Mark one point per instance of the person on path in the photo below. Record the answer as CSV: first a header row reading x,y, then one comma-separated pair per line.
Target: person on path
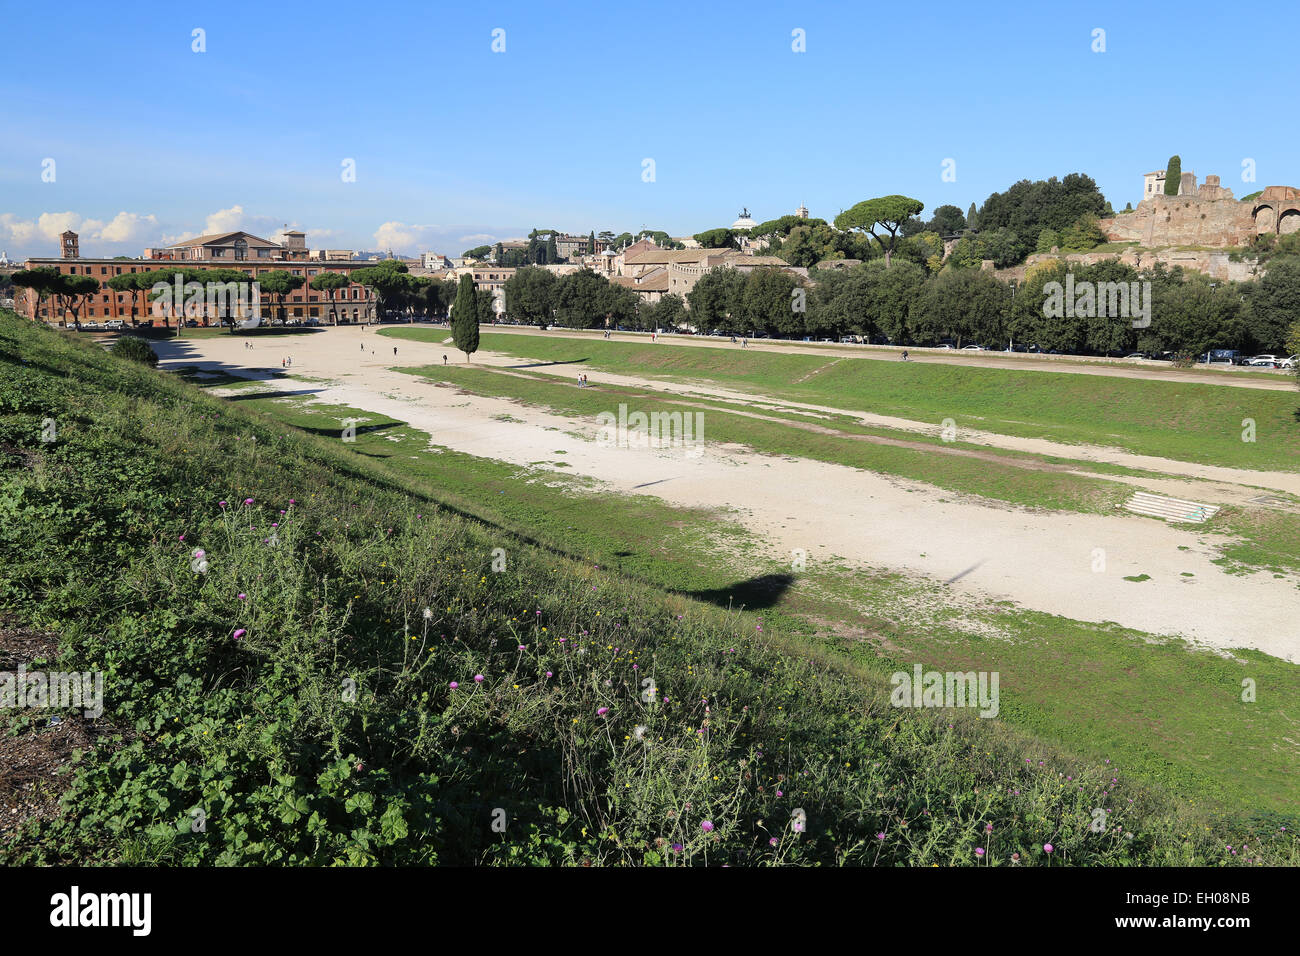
x,y
444,359
394,350
904,355
281,363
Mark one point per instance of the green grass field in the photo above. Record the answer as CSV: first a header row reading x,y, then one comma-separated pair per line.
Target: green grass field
x,y
1184,421
299,689
1255,541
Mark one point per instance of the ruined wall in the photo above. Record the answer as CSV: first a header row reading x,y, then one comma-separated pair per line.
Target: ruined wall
x,y
1184,221
1217,265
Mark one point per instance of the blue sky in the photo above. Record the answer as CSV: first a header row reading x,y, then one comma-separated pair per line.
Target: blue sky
x,y
456,145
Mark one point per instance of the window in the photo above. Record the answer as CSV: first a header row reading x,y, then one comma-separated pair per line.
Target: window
x,y
241,249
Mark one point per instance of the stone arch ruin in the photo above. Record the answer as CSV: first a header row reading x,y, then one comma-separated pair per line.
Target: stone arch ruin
x,y
1276,211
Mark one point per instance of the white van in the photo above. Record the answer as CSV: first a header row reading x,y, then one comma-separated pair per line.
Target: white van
x,y
114,325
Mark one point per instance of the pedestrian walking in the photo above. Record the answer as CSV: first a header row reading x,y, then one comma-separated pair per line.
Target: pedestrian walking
x,y
394,350
444,359
904,355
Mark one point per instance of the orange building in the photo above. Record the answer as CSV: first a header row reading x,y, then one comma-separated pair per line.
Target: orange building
x,y
235,250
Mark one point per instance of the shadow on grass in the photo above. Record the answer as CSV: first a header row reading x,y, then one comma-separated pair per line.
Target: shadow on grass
x,y
360,430
754,594
577,361
281,393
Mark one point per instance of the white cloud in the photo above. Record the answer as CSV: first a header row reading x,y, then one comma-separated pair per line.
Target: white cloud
x,y
478,238
40,234
125,227
400,237
225,220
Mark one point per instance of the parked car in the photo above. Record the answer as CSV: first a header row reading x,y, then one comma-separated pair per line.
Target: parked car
x,y
1220,357
114,324
1137,355
1291,362
973,348
1263,361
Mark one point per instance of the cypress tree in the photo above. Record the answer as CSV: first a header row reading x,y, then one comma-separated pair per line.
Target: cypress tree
x,y
464,317
970,217
1173,176
552,253
591,243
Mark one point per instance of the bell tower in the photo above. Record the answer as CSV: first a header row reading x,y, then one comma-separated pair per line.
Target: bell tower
x,y
70,245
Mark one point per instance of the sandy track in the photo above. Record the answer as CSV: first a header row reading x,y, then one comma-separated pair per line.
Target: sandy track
x,y
1039,560
1247,478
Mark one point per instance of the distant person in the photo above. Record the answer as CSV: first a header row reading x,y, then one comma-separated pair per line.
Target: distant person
x,y
444,359
904,355
281,363
394,351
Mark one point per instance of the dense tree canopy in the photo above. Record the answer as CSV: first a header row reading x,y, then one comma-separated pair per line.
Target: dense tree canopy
x,y
1027,208
886,212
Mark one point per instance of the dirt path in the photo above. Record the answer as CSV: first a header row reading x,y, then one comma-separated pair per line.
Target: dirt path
x,y
1038,560
1249,480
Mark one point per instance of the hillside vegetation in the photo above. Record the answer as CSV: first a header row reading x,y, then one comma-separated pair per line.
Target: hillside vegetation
x,y
342,677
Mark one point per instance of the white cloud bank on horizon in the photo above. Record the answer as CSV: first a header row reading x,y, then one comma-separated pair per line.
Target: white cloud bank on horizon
x,y
129,233
43,232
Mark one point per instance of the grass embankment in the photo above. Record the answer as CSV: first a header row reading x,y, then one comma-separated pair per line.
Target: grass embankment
x,y
327,573
1160,712
1191,422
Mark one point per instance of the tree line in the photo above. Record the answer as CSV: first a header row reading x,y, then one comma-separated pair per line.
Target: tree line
x,y
1189,313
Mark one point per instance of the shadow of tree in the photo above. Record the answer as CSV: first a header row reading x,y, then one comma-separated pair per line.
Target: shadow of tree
x,y
757,593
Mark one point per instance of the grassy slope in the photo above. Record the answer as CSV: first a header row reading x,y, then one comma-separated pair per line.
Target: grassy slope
x,y
1189,422
288,769
1093,689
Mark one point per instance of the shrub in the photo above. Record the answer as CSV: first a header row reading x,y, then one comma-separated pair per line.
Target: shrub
x,y
135,349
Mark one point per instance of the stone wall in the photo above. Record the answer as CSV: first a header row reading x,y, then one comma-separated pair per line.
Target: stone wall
x,y
1189,220
1217,265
